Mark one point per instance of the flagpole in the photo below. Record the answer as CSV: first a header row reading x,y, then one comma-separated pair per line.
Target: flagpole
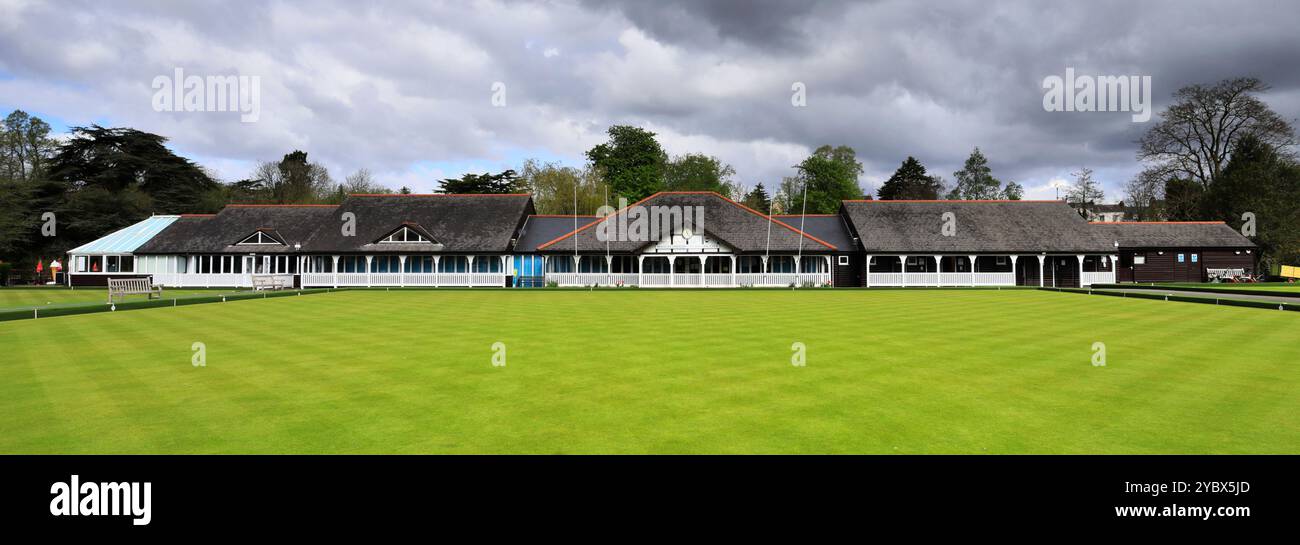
x,y
768,248
802,214
575,226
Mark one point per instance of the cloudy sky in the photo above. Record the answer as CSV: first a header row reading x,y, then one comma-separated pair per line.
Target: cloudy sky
x,y
406,90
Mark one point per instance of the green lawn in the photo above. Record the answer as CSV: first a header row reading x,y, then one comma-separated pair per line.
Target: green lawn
x,y
28,298
632,371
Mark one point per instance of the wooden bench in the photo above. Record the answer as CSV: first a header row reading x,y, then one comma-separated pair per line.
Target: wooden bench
x,y
267,282
121,287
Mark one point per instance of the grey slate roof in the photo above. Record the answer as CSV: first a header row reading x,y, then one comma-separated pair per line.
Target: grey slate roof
x,y
1173,235
292,224
461,223
981,227
737,226
539,230
827,227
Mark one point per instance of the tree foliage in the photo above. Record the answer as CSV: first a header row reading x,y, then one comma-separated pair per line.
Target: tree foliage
x,y
758,199
506,181
555,188
1013,191
118,159
700,172
25,147
910,181
828,176
1183,200
1195,136
1265,184
1084,193
294,180
975,180
631,162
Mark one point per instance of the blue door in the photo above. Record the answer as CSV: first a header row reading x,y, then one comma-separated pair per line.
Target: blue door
x,y
529,272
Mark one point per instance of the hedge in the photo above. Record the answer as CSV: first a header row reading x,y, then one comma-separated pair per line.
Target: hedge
x,y
28,314
1185,299
1200,289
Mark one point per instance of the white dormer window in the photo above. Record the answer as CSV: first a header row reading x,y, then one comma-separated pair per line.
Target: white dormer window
x,y
260,239
405,236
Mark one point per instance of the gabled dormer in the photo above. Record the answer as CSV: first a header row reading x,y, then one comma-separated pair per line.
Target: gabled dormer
x,y
262,237
408,233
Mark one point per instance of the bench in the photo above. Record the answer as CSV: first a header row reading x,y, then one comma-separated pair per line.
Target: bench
x,y
121,287
269,282
1225,275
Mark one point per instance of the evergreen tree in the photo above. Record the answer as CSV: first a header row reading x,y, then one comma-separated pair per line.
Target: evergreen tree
x,y
910,181
975,180
507,181
758,199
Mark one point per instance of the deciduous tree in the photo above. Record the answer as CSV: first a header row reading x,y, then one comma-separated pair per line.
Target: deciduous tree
x,y
631,162
1195,136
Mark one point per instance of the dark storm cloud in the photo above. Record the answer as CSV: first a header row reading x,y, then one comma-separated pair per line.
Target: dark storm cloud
x,y
392,88
764,24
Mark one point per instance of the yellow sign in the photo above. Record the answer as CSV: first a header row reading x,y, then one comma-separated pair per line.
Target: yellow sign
x,y
1290,272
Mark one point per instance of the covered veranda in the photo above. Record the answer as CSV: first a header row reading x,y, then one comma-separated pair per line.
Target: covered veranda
x,y
971,270
689,270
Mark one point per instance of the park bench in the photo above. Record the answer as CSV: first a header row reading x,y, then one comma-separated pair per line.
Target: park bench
x,y
121,287
267,282
1225,275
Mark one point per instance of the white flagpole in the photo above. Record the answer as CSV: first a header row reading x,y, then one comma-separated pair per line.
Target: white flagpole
x,y
767,250
802,213
607,215
575,227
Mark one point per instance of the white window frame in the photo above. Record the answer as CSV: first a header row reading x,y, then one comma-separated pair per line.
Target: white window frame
x,y
263,239
406,233
843,260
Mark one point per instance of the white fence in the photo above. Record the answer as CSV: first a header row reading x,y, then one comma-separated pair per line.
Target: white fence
x,y
320,280
942,279
403,280
1090,278
182,280
688,280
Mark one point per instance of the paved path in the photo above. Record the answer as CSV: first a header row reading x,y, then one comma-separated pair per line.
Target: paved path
x,y
1206,295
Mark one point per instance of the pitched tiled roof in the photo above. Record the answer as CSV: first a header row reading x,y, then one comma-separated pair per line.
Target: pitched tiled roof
x,y
736,225
980,227
827,227
461,223
539,230
1187,234
292,224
